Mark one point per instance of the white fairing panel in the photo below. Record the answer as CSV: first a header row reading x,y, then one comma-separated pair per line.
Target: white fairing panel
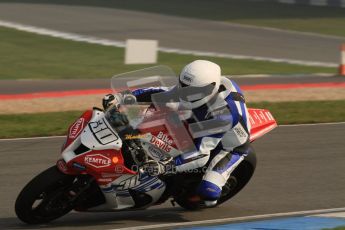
x,y
117,193
99,134
158,149
68,154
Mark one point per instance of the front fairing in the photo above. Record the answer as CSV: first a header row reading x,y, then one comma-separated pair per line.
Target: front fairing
x,y
99,134
96,134
95,151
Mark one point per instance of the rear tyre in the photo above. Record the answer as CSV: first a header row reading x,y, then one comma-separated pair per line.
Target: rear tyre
x,y
45,197
239,178
236,182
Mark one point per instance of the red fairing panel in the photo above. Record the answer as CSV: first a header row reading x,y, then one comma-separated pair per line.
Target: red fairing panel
x,y
104,165
261,121
75,129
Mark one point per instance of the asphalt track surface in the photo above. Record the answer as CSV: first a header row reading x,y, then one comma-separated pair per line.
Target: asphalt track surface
x,y
176,32
33,86
299,168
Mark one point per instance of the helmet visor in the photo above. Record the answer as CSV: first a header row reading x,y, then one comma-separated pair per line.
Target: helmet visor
x,y
193,93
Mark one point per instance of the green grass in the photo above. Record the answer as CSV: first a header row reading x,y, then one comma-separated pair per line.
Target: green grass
x,y
305,111
324,20
29,56
47,124
337,228
39,124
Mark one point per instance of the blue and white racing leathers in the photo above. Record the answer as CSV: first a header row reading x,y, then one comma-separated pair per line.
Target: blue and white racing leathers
x,y
220,151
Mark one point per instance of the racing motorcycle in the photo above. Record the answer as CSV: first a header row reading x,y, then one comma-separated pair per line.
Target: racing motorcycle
x,y
96,171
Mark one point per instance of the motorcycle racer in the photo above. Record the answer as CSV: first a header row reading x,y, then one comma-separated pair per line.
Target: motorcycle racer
x,y
213,99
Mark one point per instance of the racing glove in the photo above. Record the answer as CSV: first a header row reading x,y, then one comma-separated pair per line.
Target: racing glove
x,y
125,98
109,100
138,153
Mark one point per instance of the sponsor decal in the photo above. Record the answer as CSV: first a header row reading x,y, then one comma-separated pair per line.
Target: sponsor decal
x,y
97,160
162,141
137,136
76,128
188,79
160,144
252,122
141,180
269,116
240,131
210,189
105,180
156,152
119,169
164,138
102,132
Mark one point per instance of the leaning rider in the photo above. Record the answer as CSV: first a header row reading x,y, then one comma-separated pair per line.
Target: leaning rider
x,y
225,104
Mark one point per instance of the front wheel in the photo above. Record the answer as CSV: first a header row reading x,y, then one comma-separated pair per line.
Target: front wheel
x,y
45,198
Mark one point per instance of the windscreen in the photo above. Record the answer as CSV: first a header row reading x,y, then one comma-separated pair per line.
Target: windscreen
x,y
156,110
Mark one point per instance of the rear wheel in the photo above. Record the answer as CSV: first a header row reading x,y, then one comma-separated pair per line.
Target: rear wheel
x,y
236,182
45,198
238,179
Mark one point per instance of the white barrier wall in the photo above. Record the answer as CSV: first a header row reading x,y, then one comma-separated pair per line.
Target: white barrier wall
x,y
141,51
318,2
335,3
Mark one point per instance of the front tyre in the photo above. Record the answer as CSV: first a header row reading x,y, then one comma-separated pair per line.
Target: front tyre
x,y
45,198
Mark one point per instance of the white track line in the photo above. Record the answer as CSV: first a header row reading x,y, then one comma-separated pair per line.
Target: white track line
x,y
257,58
52,137
311,34
233,219
107,42
332,215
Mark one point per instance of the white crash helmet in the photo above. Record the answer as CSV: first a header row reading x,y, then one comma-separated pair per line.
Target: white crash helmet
x,y
201,81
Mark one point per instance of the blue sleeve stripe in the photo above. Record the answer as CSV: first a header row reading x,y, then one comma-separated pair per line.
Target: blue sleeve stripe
x,y
234,112
244,114
138,92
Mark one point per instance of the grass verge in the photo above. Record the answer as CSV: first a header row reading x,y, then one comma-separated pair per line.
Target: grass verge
x,y
37,125
269,13
47,124
337,228
30,56
303,112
